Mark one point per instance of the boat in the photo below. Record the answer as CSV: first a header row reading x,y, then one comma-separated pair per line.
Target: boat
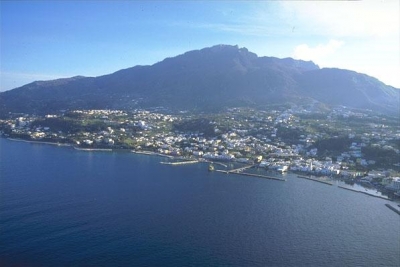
x,y
282,169
211,167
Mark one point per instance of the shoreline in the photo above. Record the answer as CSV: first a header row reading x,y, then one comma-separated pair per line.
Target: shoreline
x,y
39,142
150,153
59,144
93,149
198,160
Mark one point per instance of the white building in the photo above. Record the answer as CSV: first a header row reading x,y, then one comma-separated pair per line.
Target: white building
x,y
395,184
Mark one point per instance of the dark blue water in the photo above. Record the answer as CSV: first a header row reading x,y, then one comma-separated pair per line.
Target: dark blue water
x,y
63,207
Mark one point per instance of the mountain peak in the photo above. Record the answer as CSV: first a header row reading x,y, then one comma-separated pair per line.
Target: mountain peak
x,y
223,48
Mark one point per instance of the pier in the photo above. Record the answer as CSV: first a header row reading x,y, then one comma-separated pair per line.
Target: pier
x,y
313,179
252,174
385,198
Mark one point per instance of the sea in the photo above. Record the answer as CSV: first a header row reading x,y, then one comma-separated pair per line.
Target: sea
x,y
63,207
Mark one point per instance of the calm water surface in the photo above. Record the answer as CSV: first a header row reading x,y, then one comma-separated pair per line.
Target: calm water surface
x,y
63,207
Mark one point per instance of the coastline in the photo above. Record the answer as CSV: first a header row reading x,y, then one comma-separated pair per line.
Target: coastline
x,y
59,144
38,142
150,153
185,160
93,149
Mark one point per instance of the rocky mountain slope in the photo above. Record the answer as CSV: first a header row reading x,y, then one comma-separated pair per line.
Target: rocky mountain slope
x,y
205,80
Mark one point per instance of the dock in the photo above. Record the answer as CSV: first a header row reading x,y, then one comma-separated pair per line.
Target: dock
x,y
385,198
316,180
393,208
252,174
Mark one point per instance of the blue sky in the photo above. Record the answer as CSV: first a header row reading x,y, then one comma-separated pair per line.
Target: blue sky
x,y
43,40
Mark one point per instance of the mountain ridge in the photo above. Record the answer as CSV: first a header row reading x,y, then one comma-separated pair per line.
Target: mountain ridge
x,y
206,79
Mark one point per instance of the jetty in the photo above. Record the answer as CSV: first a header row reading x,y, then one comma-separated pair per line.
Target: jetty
x,y
252,174
314,179
392,208
365,193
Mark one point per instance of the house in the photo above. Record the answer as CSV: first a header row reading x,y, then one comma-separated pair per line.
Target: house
x,y
394,185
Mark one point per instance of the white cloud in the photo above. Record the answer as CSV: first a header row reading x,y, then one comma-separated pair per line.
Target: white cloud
x,y
318,52
369,30
344,18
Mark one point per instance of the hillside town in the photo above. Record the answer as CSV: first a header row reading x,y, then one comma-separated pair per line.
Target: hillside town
x,y
353,145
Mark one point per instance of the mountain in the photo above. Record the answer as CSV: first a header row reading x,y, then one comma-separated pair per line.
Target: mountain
x,y
205,80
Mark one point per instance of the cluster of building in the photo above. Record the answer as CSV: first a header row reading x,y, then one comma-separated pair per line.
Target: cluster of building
x,y
241,135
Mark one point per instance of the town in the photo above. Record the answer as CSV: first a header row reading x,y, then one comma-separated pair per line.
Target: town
x,y
357,146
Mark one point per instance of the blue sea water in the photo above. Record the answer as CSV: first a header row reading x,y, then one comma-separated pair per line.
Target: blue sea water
x,y
63,207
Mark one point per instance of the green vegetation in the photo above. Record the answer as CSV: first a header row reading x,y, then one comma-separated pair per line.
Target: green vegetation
x,y
383,157
67,124
199,125
333,146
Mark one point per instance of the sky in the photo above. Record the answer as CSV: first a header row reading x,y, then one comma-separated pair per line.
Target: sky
x,y
44,40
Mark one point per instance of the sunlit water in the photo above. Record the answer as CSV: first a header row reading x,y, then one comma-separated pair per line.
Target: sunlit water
x,y
63,207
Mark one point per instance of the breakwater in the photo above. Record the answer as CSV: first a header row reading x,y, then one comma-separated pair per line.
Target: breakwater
x,y
365,193
253,174
180,162
313,179
392,208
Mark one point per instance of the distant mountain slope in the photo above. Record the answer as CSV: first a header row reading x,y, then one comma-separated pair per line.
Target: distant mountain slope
x,y
206,79
349,88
